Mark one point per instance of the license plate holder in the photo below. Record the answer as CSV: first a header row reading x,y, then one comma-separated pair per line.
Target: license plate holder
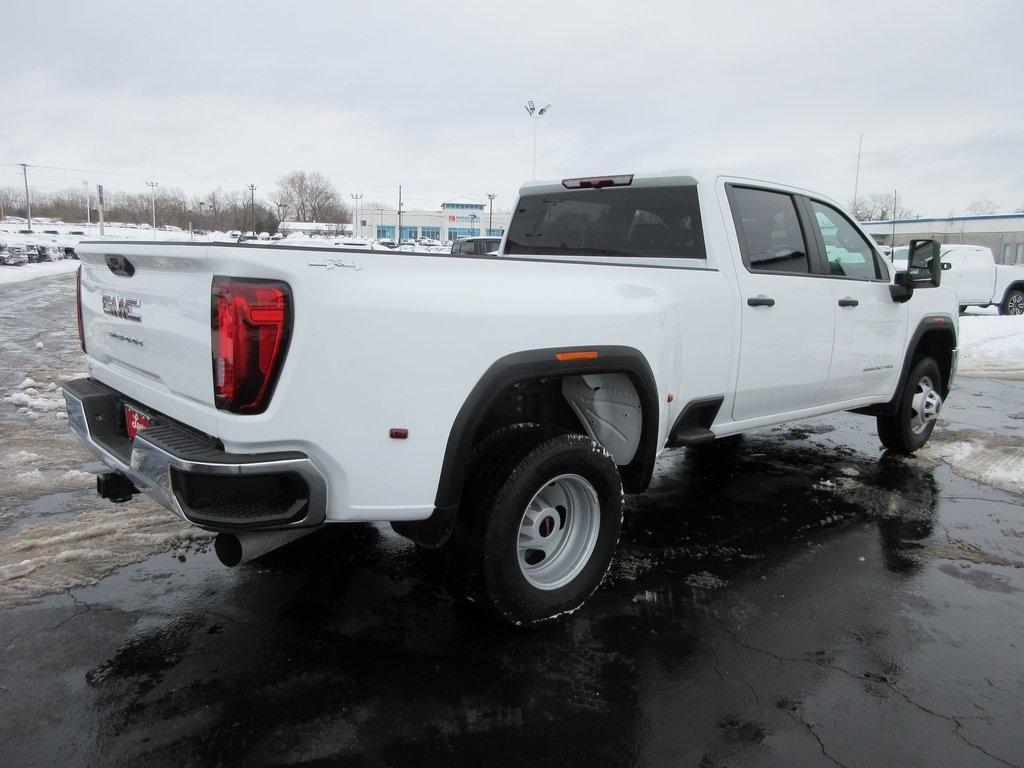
x,y
135,421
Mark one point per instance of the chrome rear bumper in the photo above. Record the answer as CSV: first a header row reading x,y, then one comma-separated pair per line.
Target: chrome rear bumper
x,y
191,476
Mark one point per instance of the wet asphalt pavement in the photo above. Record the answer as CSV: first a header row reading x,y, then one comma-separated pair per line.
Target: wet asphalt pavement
x,y
790,598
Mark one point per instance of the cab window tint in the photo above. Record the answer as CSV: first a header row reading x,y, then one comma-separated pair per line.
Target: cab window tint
x,y
847,252
771,238
647,222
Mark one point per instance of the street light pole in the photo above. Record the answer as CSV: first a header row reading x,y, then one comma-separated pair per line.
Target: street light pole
x,y
252,206
152,202
28,197
536,114
490,217
856,176
357,198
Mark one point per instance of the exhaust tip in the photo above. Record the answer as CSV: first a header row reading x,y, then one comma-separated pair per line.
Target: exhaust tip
x,y
228,549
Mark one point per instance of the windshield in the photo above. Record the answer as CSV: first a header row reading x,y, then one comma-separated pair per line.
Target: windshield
x,y
653,222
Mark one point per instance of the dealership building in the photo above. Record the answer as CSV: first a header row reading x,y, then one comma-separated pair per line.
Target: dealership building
x,y
1002,232
462,217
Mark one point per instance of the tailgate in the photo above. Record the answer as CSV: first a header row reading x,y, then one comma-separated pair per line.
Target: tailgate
x,y
146,314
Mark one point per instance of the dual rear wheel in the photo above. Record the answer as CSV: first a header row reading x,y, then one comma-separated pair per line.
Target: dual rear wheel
x,y
539,524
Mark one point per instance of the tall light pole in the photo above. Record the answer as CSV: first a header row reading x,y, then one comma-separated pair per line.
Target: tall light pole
x,y
357,198
490,217
536,114
28,197
152,202
88,204
252,206
856,177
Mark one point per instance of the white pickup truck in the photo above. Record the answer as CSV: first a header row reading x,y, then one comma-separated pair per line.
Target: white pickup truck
x,y
496,407
972,273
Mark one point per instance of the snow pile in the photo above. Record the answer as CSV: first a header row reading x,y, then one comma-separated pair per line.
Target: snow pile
x,y
34,399
992,346
995,460
48,557
32,271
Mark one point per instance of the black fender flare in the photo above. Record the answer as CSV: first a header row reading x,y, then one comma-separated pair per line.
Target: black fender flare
x,y
927,324
521,366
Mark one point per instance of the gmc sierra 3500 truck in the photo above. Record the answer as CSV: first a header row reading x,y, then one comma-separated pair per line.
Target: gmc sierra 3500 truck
x,y
496,407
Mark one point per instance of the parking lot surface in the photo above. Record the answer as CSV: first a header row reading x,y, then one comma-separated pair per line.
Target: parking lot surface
x,y
790,598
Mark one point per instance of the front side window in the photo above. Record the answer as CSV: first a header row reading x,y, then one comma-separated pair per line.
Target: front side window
x,y
771,237
847,253
650,222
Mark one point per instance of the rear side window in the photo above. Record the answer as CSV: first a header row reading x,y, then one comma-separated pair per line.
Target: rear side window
x,y
771,238
650,222
847,252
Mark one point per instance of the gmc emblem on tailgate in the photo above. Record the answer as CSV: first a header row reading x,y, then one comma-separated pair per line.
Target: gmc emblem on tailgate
x,y
119,306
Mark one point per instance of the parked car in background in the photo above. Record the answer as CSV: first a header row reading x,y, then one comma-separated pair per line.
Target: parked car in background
x,y
13,252
476,246
971,271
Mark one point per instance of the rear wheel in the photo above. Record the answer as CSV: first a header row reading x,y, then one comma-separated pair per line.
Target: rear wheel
x,y
538,527
1014,304
910,427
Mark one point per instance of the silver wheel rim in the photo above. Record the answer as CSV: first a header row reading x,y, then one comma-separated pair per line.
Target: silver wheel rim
x,y
1016,304
558,532
924,406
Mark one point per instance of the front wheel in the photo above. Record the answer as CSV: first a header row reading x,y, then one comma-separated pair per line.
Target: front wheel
x,y
539,528
911,425
1014,304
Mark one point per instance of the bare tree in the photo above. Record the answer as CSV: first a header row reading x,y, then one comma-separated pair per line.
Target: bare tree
x,y
982,207
309,196
879,206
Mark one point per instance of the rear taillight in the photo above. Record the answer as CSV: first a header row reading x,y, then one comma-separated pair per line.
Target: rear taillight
x,y
251,322
78,305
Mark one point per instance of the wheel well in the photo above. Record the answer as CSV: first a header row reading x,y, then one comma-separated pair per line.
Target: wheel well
x,y
1014,286
527,386
938,344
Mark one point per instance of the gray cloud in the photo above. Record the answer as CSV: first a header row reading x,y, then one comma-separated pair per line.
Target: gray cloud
x,y
430,95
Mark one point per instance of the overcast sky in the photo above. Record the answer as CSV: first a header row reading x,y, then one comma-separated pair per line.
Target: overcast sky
x,y
430,95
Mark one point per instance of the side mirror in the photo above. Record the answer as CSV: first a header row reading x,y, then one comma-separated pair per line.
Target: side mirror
x,y
902,288
923,262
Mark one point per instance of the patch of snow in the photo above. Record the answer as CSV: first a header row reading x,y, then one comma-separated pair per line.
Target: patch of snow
x,y
34,403
992,346
33,271
980,456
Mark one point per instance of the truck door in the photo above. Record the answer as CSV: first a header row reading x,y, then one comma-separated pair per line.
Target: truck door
x,y
788,315
870,326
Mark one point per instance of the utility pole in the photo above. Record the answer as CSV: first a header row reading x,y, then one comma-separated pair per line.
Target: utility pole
x,y
88,204
490,217
28,197
536,114
152,202
856,178
252,206
99,205
399,214
357,198
894,203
